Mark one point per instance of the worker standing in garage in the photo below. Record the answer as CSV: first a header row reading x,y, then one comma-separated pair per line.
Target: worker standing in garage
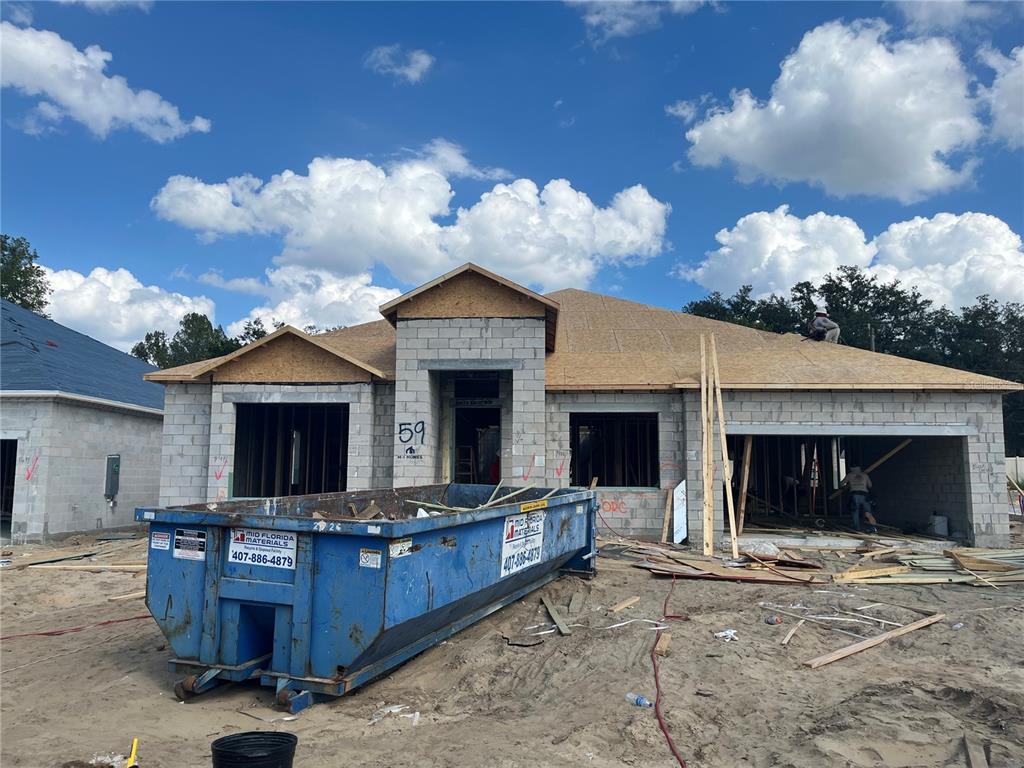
x,y
859,484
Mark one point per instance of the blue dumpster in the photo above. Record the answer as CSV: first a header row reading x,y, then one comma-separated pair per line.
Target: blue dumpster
x,y
303,594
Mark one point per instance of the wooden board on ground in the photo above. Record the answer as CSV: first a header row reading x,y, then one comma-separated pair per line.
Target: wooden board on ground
x,y
576,603
625,604
789,635
870,573
871,642
661,647
556,616
975,752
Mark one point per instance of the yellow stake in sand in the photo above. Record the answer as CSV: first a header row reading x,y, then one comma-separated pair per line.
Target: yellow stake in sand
x,y
132,761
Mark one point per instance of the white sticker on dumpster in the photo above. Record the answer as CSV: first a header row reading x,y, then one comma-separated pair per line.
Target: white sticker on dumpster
x,y
160,540
273,549
189,544
369,558
522,543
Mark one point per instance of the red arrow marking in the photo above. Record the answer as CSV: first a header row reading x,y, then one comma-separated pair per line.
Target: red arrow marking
x,y
218,473
558,472
32,470
529,469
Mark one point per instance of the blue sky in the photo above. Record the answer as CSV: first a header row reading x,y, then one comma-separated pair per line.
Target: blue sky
x,y
915,163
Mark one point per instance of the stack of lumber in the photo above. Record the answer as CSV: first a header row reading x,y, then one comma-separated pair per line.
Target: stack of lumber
x,y
976,567
761,570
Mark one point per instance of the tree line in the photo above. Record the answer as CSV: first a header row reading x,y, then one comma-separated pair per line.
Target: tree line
x,y
986,337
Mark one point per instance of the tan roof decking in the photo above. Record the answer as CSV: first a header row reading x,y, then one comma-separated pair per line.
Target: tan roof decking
x,y
605,343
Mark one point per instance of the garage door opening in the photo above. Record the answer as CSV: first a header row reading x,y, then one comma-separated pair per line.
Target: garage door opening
x,y
919,485
8,463
290,449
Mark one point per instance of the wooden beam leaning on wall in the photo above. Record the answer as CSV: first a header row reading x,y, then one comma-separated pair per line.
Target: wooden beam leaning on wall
x,y
748,449
726,464
879,462
707,489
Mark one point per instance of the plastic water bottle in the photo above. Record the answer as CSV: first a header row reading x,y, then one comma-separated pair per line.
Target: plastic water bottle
x,y
639,701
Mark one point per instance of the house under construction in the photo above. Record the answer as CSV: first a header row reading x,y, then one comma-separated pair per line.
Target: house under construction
x,y
472,378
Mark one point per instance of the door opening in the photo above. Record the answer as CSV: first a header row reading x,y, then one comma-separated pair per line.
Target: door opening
x,y
476,445
8,463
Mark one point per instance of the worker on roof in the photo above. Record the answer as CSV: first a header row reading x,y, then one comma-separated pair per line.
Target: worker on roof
x,y
858,482
823,329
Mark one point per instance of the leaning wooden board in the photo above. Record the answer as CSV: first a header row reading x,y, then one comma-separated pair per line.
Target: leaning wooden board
x,y
871,642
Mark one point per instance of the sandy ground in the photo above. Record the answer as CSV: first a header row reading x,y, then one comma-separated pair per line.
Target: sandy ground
x,y
481,702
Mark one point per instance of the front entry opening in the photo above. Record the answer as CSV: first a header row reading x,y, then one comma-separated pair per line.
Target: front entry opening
x,y
290,449
8,462
477,445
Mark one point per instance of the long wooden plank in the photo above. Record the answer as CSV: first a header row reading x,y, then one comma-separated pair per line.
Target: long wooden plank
x,y
556,616
625,604
666,522
129,596
95,568
789,635
707,489
975,752
726,464
748,450
870,573
871,642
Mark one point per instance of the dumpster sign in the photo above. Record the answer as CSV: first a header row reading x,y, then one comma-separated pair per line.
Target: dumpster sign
x,y
273,549
522,543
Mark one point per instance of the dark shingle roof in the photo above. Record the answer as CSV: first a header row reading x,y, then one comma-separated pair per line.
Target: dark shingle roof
x,y
39,354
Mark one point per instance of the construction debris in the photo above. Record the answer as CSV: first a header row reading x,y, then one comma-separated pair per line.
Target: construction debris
x,y
871,642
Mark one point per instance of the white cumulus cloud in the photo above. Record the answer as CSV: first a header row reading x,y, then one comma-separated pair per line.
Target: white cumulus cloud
x,y
400,63
951,259
773,250
608,19
935,15
1005,99
299,297
115,307
73,84
345,215
854,114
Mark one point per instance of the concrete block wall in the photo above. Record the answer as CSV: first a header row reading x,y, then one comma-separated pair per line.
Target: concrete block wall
x,y
979,411
383,444
61,465
185,455
424,347
637,512
219,471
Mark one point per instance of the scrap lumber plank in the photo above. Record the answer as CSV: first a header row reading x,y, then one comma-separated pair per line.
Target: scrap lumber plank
x,y
977,563
871,642
661,647
127,596
707,493
975,752
870,573
726,464
556,616
666,521
625,604
789,635
576,603
748,450
80,556
922,579
97,567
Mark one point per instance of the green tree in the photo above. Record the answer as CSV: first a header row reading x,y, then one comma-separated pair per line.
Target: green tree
x,y
253,330
22,281
196,339
986,337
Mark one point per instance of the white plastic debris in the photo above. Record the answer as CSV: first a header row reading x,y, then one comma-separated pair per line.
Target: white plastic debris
x,y
421,512
728,635
761,549
380,714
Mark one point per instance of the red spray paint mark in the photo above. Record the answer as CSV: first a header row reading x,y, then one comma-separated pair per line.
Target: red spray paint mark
x,y
218,473
561,468
529,469
32,469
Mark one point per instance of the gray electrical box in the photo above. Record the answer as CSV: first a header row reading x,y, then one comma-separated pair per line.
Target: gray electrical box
x,y
113,476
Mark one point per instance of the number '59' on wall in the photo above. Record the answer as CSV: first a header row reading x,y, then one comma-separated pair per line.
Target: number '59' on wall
x,y
408,431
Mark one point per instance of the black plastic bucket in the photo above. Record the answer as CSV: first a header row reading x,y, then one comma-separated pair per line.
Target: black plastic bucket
x,y
255,749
